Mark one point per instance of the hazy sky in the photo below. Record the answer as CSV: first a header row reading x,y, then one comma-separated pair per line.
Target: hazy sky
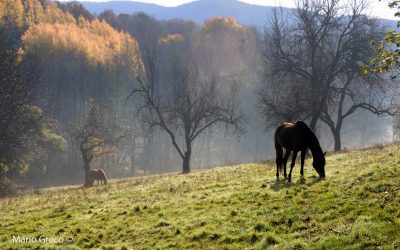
x,y
378,8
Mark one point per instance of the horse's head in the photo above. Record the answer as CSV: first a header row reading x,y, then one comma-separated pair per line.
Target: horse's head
x,y
319,165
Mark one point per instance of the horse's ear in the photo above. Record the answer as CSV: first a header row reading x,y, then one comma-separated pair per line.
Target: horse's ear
x,y
324,153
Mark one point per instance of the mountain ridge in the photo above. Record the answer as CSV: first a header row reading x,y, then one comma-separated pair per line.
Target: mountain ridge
x,y
198,11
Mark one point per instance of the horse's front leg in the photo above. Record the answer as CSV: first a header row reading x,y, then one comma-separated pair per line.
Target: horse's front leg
x,y
303,156
285,159
294,155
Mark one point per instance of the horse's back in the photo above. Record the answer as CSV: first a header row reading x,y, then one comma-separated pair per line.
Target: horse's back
x,y
304,128
93,172
282,128
97,173
292,136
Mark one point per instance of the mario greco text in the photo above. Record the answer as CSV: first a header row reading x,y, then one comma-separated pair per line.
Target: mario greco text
x,y
41,239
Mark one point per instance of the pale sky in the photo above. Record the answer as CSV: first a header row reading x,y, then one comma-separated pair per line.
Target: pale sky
x,y
377,9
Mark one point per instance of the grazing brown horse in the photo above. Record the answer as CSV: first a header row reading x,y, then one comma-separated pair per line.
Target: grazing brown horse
x,y
297,137
97,174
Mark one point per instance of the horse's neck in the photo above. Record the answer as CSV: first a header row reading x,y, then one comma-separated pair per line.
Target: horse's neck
x,y
316,149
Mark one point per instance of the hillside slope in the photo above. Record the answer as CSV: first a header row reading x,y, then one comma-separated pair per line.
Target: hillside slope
x,y
356,207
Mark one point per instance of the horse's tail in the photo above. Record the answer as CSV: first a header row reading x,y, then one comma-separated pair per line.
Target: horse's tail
x,y
279,152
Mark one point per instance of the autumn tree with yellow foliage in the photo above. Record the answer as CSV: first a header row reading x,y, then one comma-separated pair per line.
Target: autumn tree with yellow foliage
x,y
81,60
27,133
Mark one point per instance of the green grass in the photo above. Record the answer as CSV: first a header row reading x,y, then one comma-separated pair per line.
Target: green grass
x,y
238,207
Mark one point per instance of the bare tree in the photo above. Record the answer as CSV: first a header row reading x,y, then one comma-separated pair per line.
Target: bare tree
x,y
314,61
187,107
96,137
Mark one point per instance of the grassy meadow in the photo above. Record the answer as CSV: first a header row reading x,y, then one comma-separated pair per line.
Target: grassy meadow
x,y
235,207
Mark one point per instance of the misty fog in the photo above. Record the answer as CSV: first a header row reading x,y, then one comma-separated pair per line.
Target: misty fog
x,y
82,58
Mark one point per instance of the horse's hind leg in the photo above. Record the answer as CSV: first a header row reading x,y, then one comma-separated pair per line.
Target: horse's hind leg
x,y
294,155
285,158
303,156
279,153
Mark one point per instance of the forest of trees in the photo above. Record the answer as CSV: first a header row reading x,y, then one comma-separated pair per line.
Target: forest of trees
x,y
135,95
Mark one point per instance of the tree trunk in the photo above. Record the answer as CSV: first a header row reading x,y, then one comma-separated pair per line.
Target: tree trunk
x,y
186,161
313,122
338,143
133,147
133,161
86,166
188,153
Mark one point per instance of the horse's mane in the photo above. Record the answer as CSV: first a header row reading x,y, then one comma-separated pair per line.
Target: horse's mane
x,y
313,143
310,133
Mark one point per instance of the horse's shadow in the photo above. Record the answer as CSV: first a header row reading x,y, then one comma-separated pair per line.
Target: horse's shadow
x,y
280,184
